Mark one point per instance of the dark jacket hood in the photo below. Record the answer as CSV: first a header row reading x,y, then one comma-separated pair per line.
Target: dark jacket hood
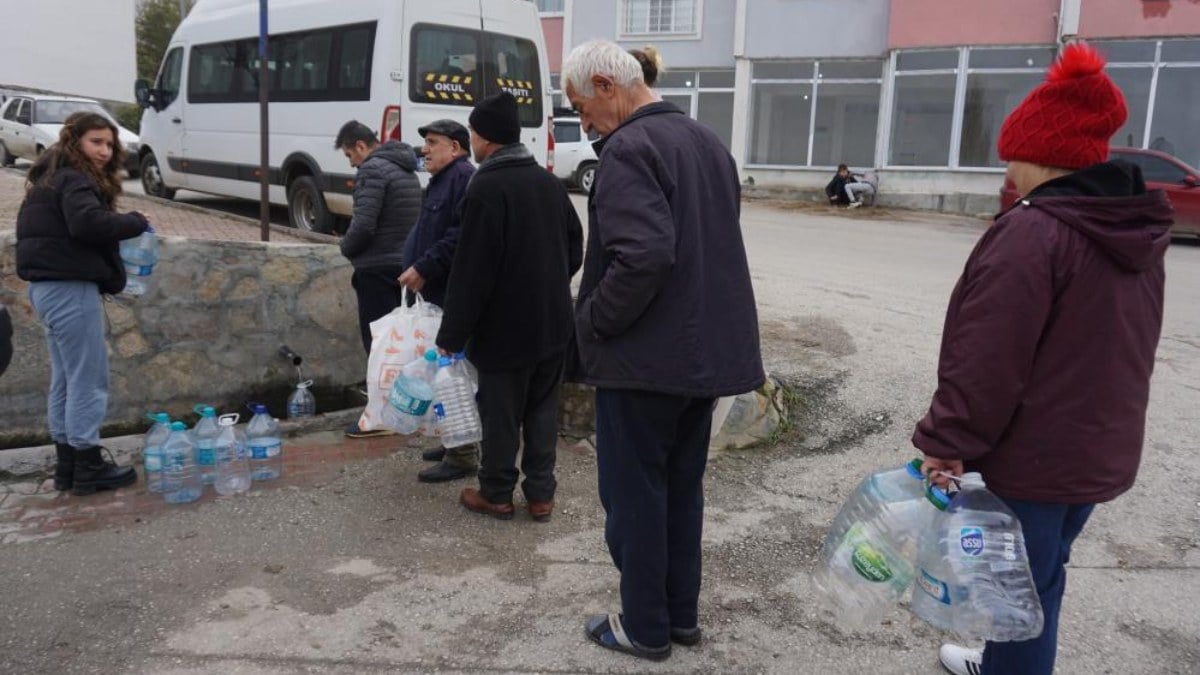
x,y
400,154
1109,204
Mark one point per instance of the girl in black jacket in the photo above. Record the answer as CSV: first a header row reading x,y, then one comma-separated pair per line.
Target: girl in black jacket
x,y
67,248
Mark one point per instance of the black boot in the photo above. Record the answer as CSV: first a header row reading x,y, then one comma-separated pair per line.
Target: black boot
x,y
64,471
93,472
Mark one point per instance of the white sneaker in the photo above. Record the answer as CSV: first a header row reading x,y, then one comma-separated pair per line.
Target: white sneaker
x,y
960,660
854,205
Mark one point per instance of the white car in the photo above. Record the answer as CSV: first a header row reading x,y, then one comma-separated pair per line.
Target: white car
x,y
574,159
29,123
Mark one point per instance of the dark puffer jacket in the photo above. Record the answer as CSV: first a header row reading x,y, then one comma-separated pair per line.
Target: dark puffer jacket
x,y
387,202
66,233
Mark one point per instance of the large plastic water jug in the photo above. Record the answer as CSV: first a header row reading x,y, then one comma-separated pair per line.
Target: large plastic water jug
x,y
152,450
139,255
457,412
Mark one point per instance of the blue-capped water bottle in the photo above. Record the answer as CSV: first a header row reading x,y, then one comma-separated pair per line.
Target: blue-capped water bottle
x,y
411,395
139,255
204,436
264,444
180,479
457,412
152,450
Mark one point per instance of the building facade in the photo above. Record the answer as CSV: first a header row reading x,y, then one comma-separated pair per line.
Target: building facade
x,y
917,89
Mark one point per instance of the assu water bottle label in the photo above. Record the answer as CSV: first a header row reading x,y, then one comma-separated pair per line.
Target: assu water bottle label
x,y
440,411
153,462
936,588
406,403
138,270
206,456
971,541
265,451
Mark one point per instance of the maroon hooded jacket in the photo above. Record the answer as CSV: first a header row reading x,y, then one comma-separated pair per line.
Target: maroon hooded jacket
x,y
1049,341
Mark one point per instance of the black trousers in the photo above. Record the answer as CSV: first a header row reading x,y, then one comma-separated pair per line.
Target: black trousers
x,y
518,405
651,451
378,294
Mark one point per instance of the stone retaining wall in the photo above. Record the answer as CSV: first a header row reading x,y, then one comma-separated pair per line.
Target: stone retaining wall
x,y
209,330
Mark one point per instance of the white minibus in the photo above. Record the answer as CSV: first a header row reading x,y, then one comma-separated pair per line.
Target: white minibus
x,y
394,65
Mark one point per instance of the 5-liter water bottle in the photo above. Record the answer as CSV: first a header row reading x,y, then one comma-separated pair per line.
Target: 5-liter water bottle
x,y
974,576
457,412
139,255
264,444
180,479
870,550
152,451
233,467
411,395
204,436
301,403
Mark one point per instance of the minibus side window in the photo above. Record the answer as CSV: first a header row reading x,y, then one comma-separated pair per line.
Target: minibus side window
x,y
444,66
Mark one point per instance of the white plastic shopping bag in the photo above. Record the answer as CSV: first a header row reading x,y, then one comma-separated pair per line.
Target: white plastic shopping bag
x,y
396,339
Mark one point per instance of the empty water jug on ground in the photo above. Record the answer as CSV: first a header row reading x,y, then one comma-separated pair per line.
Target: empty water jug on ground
x,y
264,444
139,255
204,436
301,403
457,412
152,450
233,467
180,479
973,571
869,554
411,395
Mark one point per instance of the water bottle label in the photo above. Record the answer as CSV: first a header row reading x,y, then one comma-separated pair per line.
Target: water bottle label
x,y
265,451
138,270
971,541
153,463
206,456
936,588
870,563
439,411
407,404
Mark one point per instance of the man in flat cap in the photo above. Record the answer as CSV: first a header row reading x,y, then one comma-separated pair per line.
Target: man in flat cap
x,y
429,252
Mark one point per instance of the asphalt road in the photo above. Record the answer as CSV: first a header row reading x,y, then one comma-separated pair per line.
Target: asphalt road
x,y
374,572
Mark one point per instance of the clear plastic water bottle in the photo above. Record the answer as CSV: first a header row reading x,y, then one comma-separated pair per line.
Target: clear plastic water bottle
x,y
973,571
301,403
457,412
233,467
411,395
139,255
870,550
152,451
264,444
204,436
180,479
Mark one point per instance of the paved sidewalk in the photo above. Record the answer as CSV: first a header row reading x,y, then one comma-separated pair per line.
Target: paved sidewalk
x,y
168,218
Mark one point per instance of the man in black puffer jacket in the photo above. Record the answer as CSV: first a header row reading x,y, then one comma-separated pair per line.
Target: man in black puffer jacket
x,y
387,202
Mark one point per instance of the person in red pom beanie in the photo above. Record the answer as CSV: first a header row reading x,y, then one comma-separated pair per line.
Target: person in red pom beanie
x,y
1049,339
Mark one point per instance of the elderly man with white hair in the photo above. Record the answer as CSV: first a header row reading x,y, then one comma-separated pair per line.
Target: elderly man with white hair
x,y
665,324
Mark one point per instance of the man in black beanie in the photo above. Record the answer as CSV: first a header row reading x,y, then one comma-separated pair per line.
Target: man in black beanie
x,y
508,305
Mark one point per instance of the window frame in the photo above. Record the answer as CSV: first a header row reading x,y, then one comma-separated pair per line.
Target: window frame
x,y
814,80
697,32
246,50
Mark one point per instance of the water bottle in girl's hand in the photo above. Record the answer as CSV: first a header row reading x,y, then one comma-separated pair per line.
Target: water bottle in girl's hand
x,y
139,255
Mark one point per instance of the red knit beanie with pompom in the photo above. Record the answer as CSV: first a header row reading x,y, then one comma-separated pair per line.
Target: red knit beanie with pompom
x,y
1068,120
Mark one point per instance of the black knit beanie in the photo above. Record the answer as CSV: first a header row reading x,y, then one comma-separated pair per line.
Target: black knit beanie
x,y
496,119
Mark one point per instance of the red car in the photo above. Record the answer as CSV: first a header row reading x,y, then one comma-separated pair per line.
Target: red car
x,y
1161,171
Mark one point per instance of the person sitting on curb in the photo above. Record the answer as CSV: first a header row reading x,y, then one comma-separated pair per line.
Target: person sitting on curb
x,y
508,305
387,201
429,254
835,190
860,185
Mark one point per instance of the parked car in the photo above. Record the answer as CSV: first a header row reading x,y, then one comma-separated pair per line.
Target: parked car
x,y
29,123
1162,172
574,159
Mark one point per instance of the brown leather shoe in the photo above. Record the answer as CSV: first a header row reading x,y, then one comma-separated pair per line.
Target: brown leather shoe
x,y
540,511
474,501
